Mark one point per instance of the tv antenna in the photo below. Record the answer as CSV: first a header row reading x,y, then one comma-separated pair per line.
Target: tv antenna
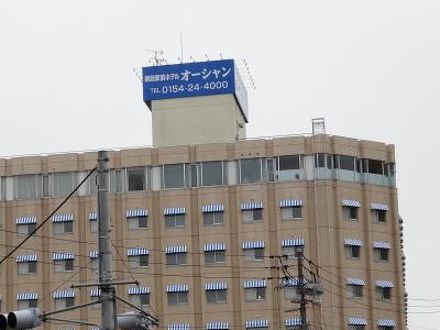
x,y
157,57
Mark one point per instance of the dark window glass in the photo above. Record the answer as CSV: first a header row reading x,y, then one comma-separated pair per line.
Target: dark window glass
x,y
386,293
357,291
143,222
359,165
175,221
194,175
174,176
375,166
68,227
290,162
270,170
33,303
355,251
259,254
213,218
174,259
70,302
320,160
136,179
212,173
250,170
346,163
33,267
68,264
143,260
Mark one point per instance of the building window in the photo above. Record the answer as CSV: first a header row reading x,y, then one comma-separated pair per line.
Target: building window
x,y
291,209
290,288
356,327
379,212
381,255
176,255
383,293
356,291
93,222
353,251
288,167
255,290
64,302
62,223
252,211
177,294
136,179
213,214
174,217
25,187
291,252
27,303
63,183
173,176
137,219
29,267
63,262
215,257
117,181
138,257
26,225
386,324
213,173
251,170
215,292
139,296
350,208
253,250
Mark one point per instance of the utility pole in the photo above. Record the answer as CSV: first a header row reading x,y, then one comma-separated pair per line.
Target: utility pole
x,y
108,305
302,293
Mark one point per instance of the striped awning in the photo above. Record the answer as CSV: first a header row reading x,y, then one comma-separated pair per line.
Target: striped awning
x,y
213,208
135,213
292,322
251,206
357,321
138,290
352,242
291,202
93,254
62,217
355,281
137,252
93,216
27,296
174,210
290,281
216,286
384,284
217,325
381,245
256,324
64,294
386,323
95,293
351,203
379,206
253,245
254,284
177,288
178,326
292,242
214,247
63,256
25,220
26,258
175,249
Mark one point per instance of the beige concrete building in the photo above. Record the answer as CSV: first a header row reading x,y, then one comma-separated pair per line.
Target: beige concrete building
x,y
207,230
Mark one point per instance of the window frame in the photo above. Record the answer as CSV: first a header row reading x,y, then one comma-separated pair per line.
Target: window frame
x,y
31,268
217,296
213,215
255,294
181,298
253,255
174,219
215,254
178,256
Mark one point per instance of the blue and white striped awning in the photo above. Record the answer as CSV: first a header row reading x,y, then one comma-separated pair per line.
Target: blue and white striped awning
x,y
290,281
63,256
178,326
27,296
135,213
93,216
138,290
253,245
292,242
25,220
61,294
62,217
217,325
177,288
379,206
357,321
93,254
26,258
251,206
213,208
214,247
95,293
216,286
175,249
355,281
254,284
351,203
386,323
291,202
292,322
137,252
352,242
174,210
384,284
381,245
256,324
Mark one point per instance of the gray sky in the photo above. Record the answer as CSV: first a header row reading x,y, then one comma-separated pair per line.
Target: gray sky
x,y
371,68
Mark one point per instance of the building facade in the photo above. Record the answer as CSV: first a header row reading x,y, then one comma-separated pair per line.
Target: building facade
x,y
211,232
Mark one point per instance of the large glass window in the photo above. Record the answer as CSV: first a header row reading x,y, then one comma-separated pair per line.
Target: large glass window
x,y
213,218
136,179
177,298
288,167
63,183
375,166
175,259
212,173
174,176
250,170
255,294
346,163
215,257
25,187
216,296
175,220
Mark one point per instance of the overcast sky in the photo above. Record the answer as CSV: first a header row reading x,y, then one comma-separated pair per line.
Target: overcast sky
x,y
371,68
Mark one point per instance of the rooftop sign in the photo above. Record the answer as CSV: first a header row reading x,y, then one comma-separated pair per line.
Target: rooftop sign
x,y
193,79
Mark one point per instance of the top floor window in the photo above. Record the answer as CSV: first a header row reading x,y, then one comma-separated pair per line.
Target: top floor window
x,y
26,187
288,167
136,179
63,183
213,173
173,176
251,170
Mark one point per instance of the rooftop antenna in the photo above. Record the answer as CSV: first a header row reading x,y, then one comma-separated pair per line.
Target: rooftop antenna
x,y
246,74
181,47
318,125
207,58
157,56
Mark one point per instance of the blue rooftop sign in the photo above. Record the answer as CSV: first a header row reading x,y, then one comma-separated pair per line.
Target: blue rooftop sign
x,y
193,79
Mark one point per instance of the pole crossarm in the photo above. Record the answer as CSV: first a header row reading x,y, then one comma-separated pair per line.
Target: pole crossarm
x,y
87,285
